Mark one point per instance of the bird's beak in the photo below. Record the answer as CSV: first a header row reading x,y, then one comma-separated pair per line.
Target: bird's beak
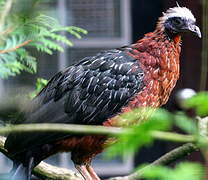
x,y
195,29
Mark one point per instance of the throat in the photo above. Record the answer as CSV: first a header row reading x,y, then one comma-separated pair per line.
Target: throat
x,y
177,39
173,36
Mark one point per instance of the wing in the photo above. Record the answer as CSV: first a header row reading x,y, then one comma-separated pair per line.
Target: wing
x,y
89,92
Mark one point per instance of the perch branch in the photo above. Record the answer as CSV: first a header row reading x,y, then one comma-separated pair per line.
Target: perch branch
x,y
47,171
65,128
97,130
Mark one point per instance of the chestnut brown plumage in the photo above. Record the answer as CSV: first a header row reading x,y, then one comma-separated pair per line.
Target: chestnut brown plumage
x,y
97,89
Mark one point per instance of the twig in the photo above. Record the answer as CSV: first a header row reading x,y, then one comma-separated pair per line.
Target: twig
x,y
46,171
175,137
16,47
168,158
97,130
65,128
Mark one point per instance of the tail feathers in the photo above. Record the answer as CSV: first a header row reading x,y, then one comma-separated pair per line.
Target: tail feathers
x,y
22,172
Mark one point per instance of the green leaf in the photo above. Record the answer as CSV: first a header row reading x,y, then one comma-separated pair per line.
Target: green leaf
x,y
157,172
185,123
42,48
50,44
183,171
199,102
59,38
46,21
24,23
72,30
140,135
40,84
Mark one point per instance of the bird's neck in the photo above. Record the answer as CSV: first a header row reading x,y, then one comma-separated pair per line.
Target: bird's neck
x,y
171,36
157,42
177,39
163,35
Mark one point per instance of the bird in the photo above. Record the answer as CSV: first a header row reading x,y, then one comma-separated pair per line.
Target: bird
x,y
96,90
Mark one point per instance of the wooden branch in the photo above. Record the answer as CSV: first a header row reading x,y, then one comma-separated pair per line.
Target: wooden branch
x,y
46,171
174,137
168,158
97,130
16,47
64,128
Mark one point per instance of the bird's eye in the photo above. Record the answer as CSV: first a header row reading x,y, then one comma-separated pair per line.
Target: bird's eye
x,y
177,21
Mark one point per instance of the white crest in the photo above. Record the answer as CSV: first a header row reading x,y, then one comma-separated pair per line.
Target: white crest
x,y
178,11
177,4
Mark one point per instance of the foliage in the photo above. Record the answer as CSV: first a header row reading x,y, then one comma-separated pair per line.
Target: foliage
x,y
39,85
25,28
185,123
199,102
140,135
182,171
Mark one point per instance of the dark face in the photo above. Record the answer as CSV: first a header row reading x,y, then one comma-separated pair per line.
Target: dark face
x,y
178,25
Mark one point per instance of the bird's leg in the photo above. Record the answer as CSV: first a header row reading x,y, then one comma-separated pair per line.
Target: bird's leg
x,y
83,171
92,173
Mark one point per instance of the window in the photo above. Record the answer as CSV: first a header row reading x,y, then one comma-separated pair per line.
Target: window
x,y
109,25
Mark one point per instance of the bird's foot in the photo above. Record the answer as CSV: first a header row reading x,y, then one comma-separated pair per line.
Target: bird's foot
x,y
84,172
92,173
87,172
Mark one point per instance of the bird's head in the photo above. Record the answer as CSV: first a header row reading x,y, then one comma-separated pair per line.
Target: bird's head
x,y
178,20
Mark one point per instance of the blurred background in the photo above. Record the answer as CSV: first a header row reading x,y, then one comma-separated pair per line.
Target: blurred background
x,y
111,24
